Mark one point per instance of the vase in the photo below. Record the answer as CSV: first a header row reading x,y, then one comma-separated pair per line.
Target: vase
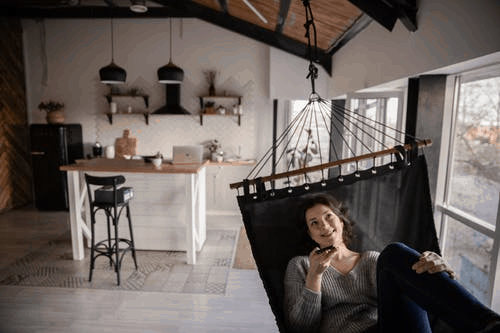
x,y
55,117
211,90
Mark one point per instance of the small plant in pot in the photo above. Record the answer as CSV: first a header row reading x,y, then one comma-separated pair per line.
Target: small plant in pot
x,y
54,110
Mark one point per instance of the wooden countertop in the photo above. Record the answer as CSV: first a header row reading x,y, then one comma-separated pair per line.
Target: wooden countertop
x,y
232,163
136,166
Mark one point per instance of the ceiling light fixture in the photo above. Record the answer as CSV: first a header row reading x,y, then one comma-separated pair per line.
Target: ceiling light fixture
x,y
112,73
138,6
170,73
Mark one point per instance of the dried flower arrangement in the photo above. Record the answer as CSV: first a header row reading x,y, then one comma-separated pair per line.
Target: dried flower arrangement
x,y
210,76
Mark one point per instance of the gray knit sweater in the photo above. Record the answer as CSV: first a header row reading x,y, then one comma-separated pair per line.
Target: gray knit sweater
x,y
346,303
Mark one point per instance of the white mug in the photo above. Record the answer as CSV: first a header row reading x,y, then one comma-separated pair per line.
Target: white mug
x,y
110,152
157,162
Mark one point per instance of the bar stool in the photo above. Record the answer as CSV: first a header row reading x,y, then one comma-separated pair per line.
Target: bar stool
x,y
112,199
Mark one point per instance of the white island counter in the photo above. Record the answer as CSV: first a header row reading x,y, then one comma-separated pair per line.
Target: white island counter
x,y
168,208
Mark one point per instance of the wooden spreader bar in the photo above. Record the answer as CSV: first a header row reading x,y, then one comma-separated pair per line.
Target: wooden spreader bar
x,y
420,143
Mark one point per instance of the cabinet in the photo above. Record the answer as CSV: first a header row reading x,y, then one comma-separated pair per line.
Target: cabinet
x,y
125,100
226,101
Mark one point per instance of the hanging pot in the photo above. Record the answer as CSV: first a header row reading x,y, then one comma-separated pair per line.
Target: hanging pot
x,y
55,117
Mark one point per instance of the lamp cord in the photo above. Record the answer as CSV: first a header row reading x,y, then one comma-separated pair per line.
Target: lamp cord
x,y
170,20
112,43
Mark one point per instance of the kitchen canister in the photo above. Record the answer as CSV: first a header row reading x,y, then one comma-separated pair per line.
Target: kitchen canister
x,y
110,151
113,107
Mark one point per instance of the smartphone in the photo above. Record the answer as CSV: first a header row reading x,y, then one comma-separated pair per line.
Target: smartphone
x,y
325,249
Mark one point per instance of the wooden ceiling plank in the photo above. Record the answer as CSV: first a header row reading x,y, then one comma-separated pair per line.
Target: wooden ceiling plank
x,y
332,19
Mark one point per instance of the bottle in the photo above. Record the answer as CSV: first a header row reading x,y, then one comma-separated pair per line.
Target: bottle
x,y
97,150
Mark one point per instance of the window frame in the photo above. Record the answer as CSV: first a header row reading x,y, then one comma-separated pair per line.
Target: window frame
x,y
444,210
401,95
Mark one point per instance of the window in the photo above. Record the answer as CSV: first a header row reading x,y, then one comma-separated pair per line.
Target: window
x,y
469,181
317,143
382,113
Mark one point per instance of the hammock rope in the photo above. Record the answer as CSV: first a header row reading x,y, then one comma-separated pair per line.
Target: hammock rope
x,y
353,138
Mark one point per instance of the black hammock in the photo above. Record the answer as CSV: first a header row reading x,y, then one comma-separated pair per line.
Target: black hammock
x,y
388,199
387,202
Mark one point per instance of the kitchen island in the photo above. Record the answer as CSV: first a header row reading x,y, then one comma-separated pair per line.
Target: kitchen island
x,y
168,209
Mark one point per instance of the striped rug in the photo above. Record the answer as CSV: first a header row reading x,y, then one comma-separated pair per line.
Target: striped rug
x,y
167,271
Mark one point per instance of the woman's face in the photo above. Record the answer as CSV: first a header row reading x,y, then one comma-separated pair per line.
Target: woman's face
x,y
324,227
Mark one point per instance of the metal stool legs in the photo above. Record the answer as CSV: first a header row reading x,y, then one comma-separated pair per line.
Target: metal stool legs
x,y
131,236
110,247
112,199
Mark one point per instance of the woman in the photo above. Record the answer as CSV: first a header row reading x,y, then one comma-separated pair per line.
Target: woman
x,y
340,291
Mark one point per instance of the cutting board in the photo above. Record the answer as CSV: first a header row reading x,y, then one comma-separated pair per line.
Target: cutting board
x,y
125,145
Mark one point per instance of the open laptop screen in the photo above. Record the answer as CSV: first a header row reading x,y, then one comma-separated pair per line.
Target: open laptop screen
x,y
187,154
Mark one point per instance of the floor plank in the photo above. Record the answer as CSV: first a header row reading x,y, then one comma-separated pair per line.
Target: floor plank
x,y
244,307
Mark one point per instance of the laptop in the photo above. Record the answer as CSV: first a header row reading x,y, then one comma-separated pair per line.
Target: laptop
x,y
187,154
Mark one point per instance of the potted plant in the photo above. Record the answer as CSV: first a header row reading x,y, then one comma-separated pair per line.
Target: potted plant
x,y
54,110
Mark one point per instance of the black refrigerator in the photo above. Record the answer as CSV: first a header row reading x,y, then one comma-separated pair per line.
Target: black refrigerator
x,y
51,147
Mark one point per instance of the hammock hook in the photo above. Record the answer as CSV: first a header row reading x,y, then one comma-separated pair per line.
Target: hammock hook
x,y
357,174
413,152
401,156
374,167
260,188
246,187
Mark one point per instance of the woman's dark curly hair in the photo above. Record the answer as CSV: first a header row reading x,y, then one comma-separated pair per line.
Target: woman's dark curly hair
x,y
335,205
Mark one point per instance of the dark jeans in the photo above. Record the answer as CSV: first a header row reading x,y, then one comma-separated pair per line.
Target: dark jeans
x,y
404,297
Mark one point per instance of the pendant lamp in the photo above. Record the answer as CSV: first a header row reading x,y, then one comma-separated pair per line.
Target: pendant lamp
x,y
170,73
112,73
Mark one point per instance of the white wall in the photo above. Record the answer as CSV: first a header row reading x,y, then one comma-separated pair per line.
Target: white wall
x,y
449,32
77,49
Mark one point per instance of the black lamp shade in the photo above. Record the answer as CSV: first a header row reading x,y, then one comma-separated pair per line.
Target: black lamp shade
x,y
112,74
170,73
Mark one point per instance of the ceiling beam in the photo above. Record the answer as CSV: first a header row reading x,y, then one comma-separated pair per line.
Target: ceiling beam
x,y
173,8
283,13
361,23
380,10
407,13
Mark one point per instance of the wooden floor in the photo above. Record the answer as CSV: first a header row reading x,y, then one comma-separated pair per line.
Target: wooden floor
x,y
244,308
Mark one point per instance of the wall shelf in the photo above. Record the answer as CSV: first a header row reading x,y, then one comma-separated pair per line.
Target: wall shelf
x,y
110,116
110,98
238,116
219,101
